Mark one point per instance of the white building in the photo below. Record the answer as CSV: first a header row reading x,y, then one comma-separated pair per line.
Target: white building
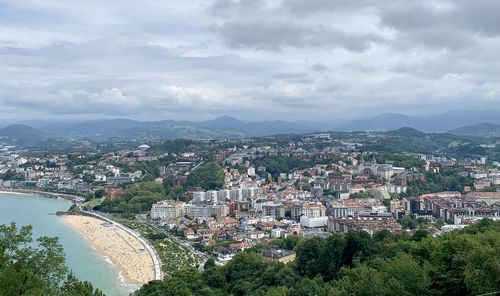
x,y
251,171
278,232
168,210
313,222
199,196
206,210
224,194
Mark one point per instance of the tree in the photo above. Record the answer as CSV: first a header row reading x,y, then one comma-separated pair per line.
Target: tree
x,y
137,198
464,262
400,275
383,235
29,267
73,287
308,257
209,264
420,234
409,222
331,255
361,281
406,275
359,246
209,176
99,193
482,272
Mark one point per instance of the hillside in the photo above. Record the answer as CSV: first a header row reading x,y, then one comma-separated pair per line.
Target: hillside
x,y
438,123
92,129
175,131
226,127
406,132
19,134
219,128
482,130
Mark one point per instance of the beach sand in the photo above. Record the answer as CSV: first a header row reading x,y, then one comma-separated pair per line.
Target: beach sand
x,y
120,247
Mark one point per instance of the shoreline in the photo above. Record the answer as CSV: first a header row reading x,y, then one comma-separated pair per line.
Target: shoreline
x,y
46,194
112,257
134,259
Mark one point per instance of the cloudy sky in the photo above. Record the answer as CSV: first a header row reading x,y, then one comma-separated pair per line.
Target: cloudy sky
x,y
252,59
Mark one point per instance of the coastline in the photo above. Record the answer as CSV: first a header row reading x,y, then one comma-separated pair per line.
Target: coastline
x,y
69,197
125,271
2,191
121,248
82,258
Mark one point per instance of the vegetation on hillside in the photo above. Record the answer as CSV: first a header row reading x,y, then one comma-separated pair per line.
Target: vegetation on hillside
x,y
447,180
209,176
284,164
465,262
137,198
36,267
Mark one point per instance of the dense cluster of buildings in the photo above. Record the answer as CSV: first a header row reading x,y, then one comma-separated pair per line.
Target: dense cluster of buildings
x,y
451,207
77,173
345,194
337,192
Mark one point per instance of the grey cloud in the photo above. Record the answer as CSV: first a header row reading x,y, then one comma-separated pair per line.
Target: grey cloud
x,y
455,25
319,67
225,8
301,7
301,78
272,34
298,58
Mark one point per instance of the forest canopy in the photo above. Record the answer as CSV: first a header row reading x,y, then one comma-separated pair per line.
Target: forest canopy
x,y
36,267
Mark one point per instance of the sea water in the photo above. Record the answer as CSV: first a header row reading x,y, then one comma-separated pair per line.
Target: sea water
x,y
84,261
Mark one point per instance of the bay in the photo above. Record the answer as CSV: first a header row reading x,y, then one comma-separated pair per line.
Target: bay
x,y
85,262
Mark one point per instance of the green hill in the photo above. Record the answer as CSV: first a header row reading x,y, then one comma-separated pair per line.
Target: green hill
x,y
19,134
481,130
406,132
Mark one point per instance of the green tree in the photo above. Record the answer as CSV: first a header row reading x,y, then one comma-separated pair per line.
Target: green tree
x,y
359,247
137,198
331,256
464,262
420,234
409,222
209,264
35,267
209,176
99,193
308,257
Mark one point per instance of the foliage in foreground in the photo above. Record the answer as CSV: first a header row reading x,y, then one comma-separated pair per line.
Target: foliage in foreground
x,y
29,268
463,262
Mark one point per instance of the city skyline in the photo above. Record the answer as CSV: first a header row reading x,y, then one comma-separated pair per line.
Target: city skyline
x,y
254,60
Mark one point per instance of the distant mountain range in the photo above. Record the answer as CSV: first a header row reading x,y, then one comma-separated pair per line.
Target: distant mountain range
x,y
482,129
221,127
19,134
433,124
457,123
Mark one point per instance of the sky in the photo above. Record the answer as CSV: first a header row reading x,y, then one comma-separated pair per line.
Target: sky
x,y
250,59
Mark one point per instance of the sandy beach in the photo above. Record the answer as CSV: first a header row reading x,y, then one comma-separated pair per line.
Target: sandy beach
x,y
120,247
